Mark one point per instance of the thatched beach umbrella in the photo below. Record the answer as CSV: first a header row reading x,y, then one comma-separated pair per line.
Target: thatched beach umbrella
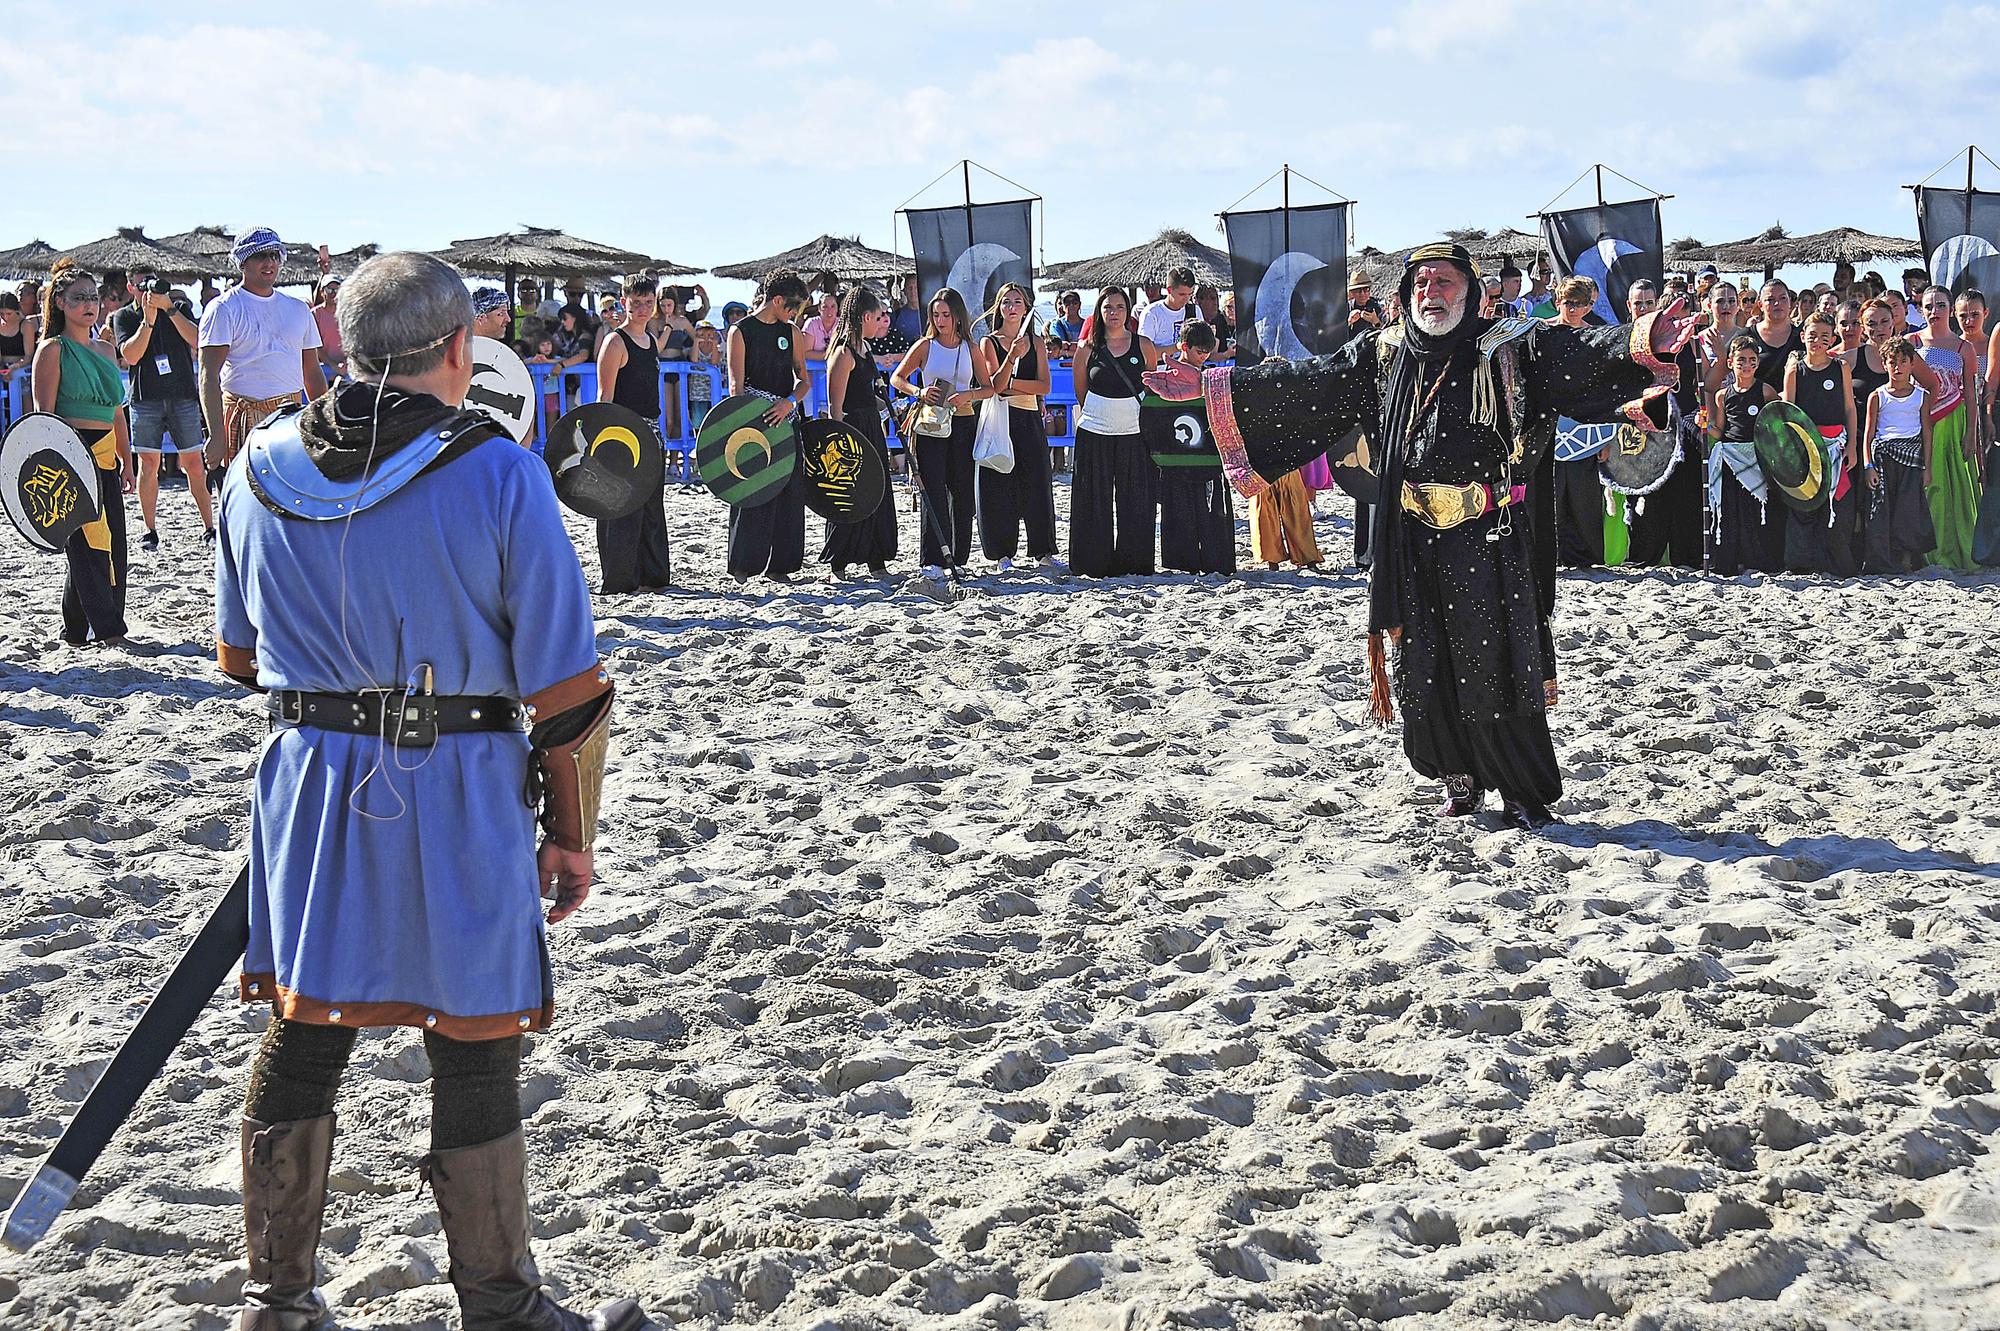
x,y
633,260
1772,249
210,242
546,253
1490,249
129,247
1143,265
346,261
843,256
1383,271
29,260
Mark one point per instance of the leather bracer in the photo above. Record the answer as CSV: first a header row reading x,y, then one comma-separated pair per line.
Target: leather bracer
x,y
571,736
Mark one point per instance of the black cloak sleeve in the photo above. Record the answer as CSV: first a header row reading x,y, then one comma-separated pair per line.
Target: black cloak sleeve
x,y
1273,418
1602,374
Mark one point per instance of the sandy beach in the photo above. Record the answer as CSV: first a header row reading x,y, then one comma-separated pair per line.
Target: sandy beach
x,y
1073,956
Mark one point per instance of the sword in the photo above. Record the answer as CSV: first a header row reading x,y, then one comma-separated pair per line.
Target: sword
x,y
192,982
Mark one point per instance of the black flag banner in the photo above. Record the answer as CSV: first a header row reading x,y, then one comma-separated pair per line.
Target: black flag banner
x,y
1289,267
973,250
1960,232
1613,244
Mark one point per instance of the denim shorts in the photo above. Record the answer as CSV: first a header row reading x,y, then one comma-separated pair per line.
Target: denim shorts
x,y
176,418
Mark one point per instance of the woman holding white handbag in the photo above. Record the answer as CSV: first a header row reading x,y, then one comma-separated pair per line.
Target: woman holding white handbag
x,y
942,425
1009,498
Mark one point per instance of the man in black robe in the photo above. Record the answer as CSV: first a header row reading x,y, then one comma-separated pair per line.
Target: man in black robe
x,y
1462,409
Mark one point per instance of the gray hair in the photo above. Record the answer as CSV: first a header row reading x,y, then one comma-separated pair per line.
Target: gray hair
x,y
1645,284
402,307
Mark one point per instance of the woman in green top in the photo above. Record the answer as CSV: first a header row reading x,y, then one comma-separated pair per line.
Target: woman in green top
x,y
76,377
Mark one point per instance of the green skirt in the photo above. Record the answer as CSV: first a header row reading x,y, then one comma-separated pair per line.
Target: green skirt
x,y
1953,493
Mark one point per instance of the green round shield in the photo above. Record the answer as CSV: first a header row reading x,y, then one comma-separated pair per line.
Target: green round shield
x,y
743,461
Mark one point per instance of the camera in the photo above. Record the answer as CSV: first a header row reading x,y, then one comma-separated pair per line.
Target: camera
x,y
157,286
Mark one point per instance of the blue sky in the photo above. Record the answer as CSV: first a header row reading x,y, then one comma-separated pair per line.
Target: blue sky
x,y
719,131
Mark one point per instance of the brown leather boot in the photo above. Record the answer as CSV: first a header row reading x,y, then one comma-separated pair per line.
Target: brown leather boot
x,y
284,1196
482,1197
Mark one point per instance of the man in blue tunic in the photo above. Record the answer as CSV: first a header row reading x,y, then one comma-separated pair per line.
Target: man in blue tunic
x,y
394,574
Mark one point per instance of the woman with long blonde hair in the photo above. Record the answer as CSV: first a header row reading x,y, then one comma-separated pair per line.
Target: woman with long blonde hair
x,y
1012,362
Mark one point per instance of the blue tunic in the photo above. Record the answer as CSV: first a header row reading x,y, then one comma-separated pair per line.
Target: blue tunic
x,y
399,888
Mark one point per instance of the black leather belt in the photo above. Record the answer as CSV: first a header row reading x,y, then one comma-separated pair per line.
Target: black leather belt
x,y
403,717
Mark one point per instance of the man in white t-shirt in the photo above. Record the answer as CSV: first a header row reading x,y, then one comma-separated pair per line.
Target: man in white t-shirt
x,y
1162,320
259,349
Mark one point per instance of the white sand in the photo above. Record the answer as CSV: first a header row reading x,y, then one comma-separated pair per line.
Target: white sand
x,y
1071,956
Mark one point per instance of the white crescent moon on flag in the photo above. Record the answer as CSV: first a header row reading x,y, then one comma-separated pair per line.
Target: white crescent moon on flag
x,y
972,272
1273,315
1950,260
1595,263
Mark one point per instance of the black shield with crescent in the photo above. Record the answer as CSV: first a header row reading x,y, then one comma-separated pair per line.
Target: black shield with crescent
x,y
605,459
845,476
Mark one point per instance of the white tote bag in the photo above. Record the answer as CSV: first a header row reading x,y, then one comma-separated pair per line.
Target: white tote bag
x,y
993,446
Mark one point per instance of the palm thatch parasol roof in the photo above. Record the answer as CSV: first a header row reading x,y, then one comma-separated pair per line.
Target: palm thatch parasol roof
x,y
1772,249
210,241
301,266
1142,264
29,260
1383,271
129,247
346,261
843,256
634,260
1488,248
543,252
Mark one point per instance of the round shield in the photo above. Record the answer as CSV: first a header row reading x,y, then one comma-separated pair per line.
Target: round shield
x,y
743,461
48,480
1636,461
1792,455
502,387
606,460
1577,440
1176,434
1353,467
845,476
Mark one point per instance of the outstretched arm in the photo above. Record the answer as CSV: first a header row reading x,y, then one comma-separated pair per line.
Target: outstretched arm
x,y
1273,418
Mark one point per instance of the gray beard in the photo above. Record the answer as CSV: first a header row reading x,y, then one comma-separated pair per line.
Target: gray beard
x,y
1436,325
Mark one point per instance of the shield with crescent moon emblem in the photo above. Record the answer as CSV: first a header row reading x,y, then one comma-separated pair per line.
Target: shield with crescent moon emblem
x,y
743,461
48,480
845,476
1176,434
1793,455
606,460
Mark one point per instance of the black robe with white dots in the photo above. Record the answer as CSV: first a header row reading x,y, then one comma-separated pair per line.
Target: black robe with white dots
x,y
1476,648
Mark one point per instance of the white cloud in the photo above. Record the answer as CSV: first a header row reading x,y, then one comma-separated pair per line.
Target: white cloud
x,y
1430,28
817,52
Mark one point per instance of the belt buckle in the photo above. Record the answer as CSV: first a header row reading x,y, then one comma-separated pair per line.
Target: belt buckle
x,y
291,707
1446,504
